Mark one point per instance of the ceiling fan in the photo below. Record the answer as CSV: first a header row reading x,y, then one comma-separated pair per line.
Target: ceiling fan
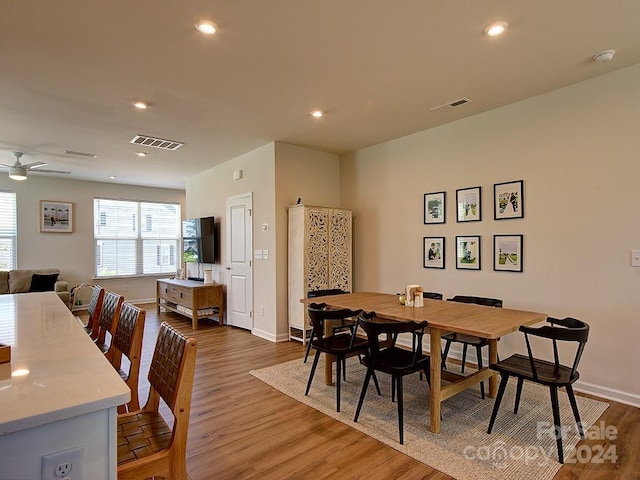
x,y
18,171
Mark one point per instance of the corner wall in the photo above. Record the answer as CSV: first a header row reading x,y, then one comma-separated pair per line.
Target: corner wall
x,y
577,150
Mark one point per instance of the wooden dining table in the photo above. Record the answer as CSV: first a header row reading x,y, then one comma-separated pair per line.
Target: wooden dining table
x,y
442,317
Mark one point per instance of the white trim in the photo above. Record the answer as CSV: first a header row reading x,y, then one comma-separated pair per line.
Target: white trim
x,y
627,398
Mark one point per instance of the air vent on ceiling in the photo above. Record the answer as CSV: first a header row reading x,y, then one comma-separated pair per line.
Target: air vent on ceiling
x,y
81,154
156,142
456,103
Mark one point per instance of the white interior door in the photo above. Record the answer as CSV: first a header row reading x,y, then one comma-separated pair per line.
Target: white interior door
x,y
239,264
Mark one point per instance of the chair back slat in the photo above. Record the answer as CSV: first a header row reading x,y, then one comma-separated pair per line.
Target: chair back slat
x,y
486,301
322,293
374,329
318,314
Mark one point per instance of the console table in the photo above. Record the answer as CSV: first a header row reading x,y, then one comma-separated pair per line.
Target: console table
x,y
190,298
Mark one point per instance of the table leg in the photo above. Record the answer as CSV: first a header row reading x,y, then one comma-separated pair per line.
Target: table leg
x,y
493,358
436,379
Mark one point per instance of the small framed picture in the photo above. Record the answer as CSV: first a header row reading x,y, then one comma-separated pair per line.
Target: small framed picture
x,y
433,252
469,204
507,253
434,207
468,252
508,200
56,217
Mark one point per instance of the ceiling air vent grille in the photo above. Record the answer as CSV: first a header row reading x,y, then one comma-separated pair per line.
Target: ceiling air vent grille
x,y
156,142
456,103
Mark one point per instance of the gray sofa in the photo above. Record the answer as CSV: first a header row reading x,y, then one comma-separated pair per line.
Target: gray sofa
x,y
19,281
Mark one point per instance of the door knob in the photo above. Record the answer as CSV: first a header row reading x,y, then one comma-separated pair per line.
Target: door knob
x,y
228,268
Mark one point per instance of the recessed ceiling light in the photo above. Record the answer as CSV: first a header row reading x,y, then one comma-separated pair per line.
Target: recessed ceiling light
x,y
141,154
317,113
605,56
495,29
113,177
140,105
206,27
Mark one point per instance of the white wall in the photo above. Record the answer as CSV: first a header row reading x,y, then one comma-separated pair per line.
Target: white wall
x,y
207,194
73,253
577,150
312,176
277,174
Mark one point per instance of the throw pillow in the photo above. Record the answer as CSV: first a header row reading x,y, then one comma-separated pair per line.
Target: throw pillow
x,y
43,283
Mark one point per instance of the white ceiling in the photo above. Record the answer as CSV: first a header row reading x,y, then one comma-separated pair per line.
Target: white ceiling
x,y
70,70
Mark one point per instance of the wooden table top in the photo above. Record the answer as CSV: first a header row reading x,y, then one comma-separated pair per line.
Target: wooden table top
x,y
472,319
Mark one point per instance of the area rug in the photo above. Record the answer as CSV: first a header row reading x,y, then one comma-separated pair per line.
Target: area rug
x,y
520,446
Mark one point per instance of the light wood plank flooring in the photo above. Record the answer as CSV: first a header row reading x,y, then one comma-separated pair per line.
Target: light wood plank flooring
x,y
243,429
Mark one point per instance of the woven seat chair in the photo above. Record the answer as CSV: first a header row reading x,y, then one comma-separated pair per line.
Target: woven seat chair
x,y
127,342
108,320
147,446
94,309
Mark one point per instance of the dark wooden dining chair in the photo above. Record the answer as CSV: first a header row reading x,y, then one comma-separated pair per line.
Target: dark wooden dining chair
x,y
108,320
127,343
466,340
345,323
395,361
550,373
340,344
432,295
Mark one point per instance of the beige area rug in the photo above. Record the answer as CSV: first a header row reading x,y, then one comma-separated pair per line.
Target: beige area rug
x,y
519,447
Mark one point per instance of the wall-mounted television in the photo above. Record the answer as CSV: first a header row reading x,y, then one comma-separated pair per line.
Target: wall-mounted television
x,y
199,240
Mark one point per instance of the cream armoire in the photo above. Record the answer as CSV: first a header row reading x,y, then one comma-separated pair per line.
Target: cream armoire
x,y
319,258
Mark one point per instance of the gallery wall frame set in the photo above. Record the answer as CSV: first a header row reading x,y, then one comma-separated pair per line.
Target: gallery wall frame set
x,y
56,216
433,252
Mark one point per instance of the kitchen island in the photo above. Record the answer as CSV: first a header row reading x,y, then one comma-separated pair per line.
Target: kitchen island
x,y
58,392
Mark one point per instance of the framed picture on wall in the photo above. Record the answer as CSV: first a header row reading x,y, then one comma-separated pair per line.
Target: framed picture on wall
x,y
508,200
434,207
507,253
468,252
433,252
56,217
469,204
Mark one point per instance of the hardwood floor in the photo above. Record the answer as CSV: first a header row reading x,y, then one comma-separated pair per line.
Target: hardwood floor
x,y
243,429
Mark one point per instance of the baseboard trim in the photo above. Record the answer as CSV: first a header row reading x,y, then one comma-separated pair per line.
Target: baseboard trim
x,y
619,396
599,391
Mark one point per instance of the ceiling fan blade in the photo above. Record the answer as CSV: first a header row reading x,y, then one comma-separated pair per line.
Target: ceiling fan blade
x,y
44,170
34,165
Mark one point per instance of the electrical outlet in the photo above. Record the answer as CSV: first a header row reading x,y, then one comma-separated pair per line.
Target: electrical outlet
x,y
125,288
64,465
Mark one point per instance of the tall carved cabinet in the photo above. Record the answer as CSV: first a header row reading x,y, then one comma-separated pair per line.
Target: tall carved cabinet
x,y
319,258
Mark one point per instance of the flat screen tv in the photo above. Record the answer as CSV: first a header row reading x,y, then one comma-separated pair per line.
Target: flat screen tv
x,y
199,240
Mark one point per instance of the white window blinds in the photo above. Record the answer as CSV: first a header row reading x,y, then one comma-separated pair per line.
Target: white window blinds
x,y
135,238
8,230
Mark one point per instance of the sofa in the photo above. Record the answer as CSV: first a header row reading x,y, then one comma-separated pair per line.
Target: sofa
x,y
24,281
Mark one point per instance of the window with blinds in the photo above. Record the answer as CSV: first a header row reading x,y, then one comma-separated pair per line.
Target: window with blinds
x,y
8,231
135,238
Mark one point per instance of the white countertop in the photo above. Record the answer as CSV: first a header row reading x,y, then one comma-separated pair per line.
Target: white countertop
x,y
63,373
